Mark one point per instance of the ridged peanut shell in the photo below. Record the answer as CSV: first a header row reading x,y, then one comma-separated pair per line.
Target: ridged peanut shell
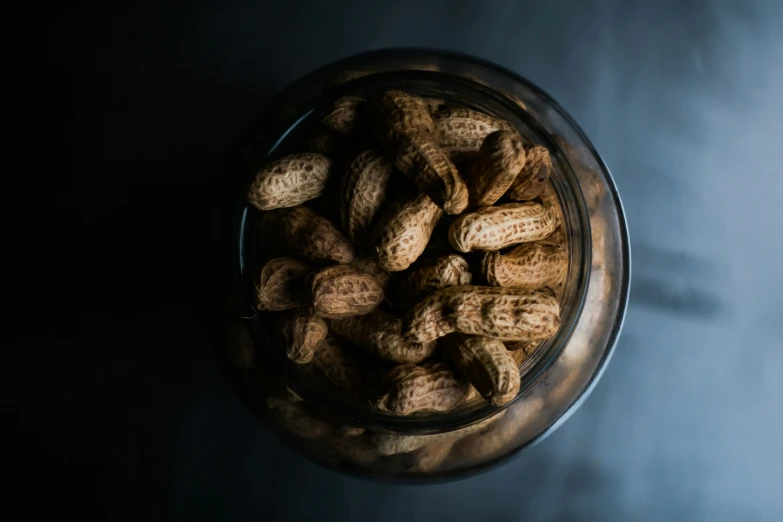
x,y
290,181
403,115
502,313
422,161
495,228
495,167
280,286
343,291
486,363
533,177
307,234
403,231
431,386
363,193
460,132
381,335
431,275
303,331
530,266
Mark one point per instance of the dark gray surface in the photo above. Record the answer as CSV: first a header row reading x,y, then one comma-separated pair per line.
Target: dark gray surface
x,y
684,100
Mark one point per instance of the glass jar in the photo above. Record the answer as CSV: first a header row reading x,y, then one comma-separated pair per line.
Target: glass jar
x,y
346,435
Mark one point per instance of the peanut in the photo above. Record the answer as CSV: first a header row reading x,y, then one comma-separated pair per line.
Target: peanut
x,y
487,365
502,313
343,116
449,270
290,181
403,115
380,334
529,266
363,193
342,291
432,386
302,332
532,179
280,285
495,167
550,200
495,228
307,235
403,231
422,161
461,132
335,362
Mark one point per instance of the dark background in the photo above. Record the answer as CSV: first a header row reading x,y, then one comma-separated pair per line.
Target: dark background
x,y
684,100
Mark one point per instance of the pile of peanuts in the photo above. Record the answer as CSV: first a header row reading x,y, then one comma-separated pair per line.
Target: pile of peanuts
x,y
421,253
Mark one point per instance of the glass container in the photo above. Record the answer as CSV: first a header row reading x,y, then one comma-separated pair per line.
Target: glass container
x,y
557,376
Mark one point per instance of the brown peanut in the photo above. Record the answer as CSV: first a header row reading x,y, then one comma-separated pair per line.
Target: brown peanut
x,y
431,386
281,284
342,291
486,363
495,228
533,177
290,181
403,231
422,161
529,266
550,200
335,362
403,115
302,332
363,193
497,164
449,270
460,132
343,116
380,334
502,313
307,235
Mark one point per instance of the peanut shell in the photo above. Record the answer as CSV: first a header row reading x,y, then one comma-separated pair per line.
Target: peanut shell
x,y
290,181
495,228
343,291
502,313
281,284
